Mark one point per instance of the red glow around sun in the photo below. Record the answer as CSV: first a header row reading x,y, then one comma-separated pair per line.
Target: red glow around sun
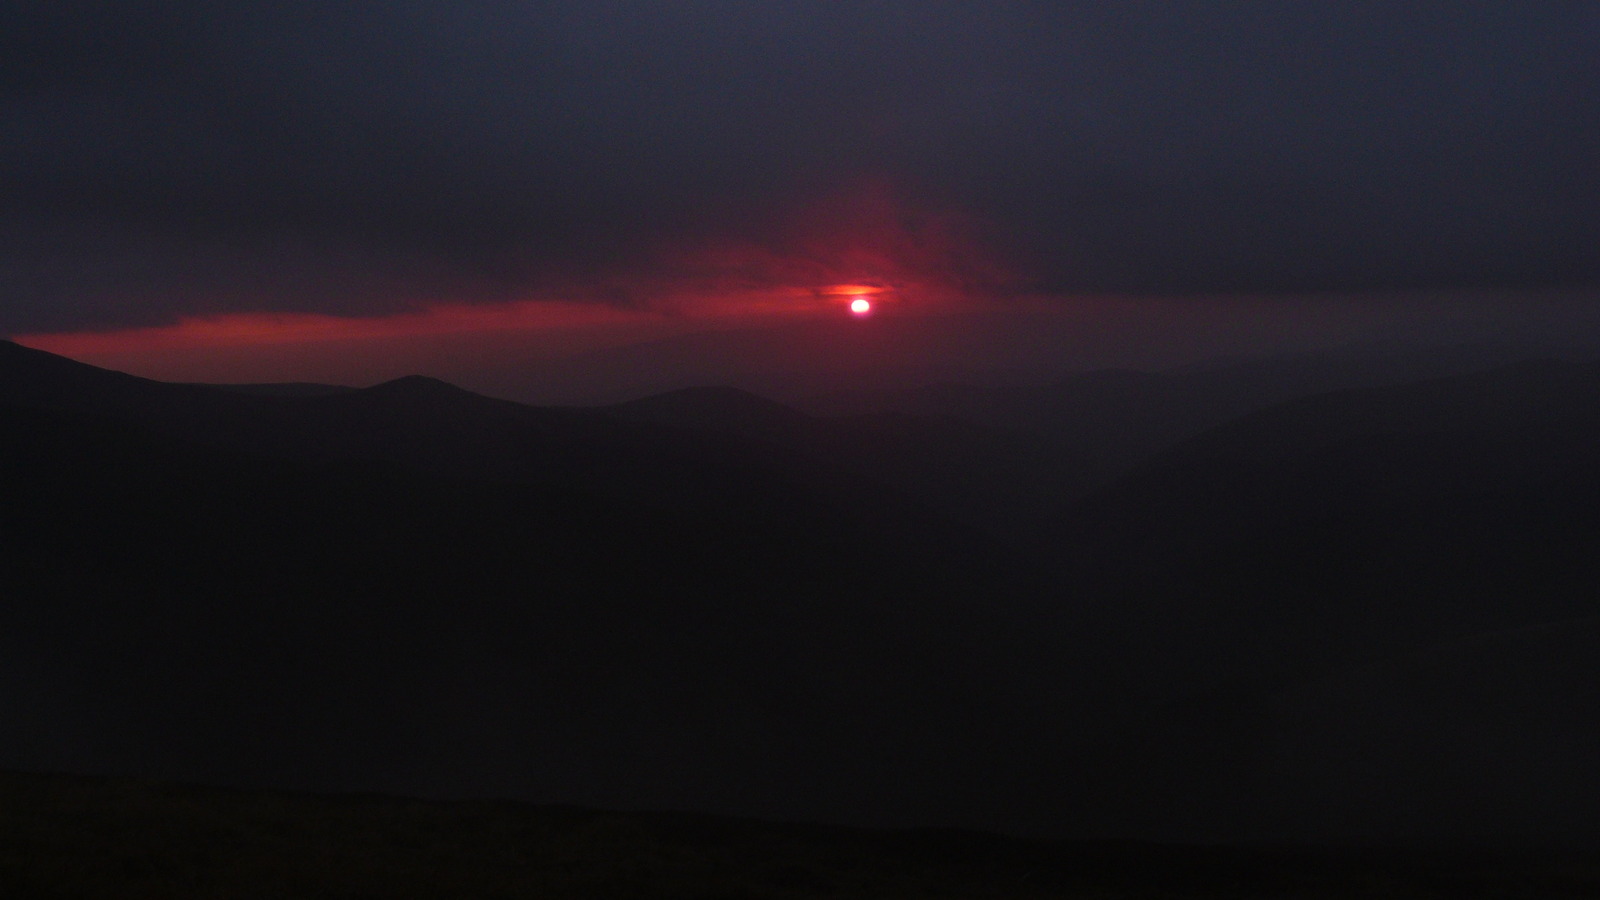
x,y
866,250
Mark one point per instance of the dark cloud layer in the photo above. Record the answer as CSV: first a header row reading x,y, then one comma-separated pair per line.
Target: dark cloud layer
x,y
157,159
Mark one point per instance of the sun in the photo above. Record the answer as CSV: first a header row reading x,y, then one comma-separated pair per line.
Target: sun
x,y
860,306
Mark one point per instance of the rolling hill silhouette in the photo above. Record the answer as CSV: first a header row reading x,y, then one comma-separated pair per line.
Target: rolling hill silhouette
x,y
413,588
1102,423
706,600
431,427
1340,530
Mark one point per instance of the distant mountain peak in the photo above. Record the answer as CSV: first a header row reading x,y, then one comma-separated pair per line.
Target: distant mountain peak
x,y
14,350
417,385
39,378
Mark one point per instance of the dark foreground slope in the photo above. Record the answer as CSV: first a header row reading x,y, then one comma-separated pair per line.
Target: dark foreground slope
x,y
1367,612
103,838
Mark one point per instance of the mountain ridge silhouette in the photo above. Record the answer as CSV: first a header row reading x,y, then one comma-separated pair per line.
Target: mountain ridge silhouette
x,y
710,601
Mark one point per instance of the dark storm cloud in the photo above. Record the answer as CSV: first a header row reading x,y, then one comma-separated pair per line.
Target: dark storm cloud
x,y
183,156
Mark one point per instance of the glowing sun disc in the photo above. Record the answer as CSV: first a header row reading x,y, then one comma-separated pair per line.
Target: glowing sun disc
x,y
860,306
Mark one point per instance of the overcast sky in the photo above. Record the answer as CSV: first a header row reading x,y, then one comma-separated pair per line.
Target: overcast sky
x,y
188,158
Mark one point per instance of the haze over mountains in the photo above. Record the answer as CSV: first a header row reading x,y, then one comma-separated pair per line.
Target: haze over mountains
x,y
1279,599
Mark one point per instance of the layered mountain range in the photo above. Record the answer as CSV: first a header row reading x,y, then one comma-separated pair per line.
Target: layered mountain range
x,y
1271,600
